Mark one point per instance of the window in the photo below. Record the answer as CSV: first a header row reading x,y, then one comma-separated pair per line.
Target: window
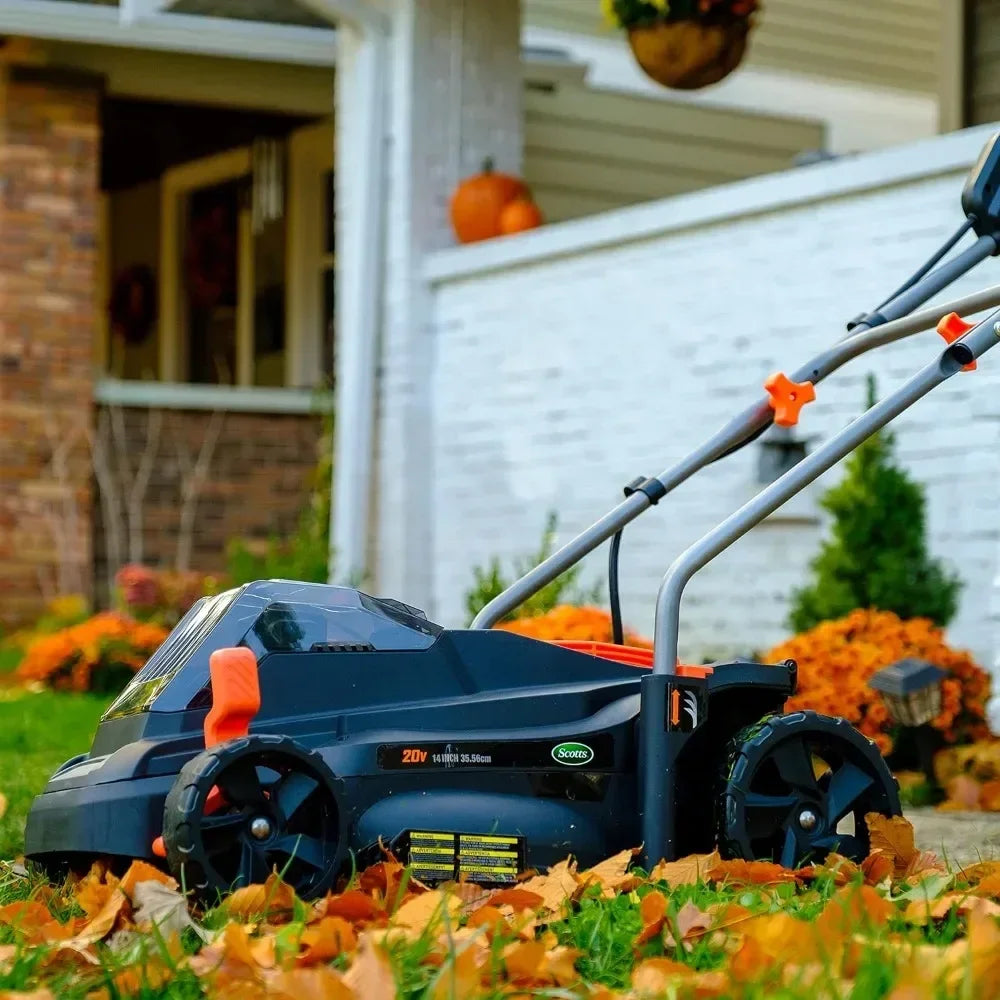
x,y
228,296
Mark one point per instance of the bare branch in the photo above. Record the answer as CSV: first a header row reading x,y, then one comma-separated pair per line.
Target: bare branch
x,y
111,513
192,481
136,495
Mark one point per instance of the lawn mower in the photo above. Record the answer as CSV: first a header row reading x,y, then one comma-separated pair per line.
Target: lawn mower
x,y
308,728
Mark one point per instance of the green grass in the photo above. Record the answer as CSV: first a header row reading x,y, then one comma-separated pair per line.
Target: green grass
x,y
37,733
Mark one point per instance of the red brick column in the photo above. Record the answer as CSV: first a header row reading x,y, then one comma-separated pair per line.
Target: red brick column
x,y
49,177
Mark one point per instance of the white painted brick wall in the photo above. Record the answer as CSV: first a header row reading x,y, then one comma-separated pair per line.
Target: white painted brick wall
x,y
569,361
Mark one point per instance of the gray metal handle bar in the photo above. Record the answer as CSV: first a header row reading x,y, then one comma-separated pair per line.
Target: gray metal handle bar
x,y
973,345
732,434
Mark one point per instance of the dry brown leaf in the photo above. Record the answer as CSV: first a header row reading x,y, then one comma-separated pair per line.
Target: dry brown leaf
x,y
978,956
851,909
274,901
354,906
39,994
779,935
158,905
656,976
331,937
523,961
494,920
739,872
34,923
974,874
423,912
685,871
140,871
460,977
611,874
892,835
877,867
842,869
320,983
653,911
234,955
540,963
690,922
93,891
516,898
102,923
559,885
385,881
923,911
370,975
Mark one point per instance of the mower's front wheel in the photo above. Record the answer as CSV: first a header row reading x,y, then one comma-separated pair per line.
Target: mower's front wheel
x,y
254,805
798,788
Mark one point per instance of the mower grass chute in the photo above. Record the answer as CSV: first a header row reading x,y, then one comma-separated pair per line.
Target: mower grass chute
x,y
306,728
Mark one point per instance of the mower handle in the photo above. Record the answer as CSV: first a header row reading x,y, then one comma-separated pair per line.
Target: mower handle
x,y
657,764
743,428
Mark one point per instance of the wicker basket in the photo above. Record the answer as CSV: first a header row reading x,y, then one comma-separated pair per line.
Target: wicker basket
x,y
690,54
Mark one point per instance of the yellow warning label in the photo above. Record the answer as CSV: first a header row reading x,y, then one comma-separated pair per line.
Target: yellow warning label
x,y
488,858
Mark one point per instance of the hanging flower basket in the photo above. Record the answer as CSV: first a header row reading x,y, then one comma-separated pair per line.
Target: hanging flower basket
x,y
685,44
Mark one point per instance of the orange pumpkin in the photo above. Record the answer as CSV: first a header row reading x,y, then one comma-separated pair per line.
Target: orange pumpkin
x,y
520,215
478,202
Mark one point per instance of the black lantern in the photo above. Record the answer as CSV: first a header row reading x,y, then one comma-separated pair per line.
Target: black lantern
x,y
780,450
911,690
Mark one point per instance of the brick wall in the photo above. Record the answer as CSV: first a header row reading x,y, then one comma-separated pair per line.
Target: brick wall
x,y
49,149
570,360
258,480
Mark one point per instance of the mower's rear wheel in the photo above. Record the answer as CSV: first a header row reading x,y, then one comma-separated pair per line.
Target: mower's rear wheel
x,y
251,806
798,788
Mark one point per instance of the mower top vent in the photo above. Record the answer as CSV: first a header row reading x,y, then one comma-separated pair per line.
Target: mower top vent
x,y
341,647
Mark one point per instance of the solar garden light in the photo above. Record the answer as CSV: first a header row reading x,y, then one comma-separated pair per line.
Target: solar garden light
x,y
911,690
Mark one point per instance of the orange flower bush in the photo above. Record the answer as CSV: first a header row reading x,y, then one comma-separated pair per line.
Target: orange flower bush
x,y
99,655
837,658
566,621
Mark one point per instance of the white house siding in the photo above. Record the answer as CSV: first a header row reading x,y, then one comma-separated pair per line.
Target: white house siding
x,y
588,150
572,359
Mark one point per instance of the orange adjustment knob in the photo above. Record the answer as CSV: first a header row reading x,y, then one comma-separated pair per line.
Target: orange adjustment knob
x,y
951,327
788,398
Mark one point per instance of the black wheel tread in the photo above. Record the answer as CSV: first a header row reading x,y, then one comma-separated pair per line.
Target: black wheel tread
x,y
751,742
180,839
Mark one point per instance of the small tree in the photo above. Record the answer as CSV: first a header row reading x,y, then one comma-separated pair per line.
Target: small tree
x,y
877,554
490,582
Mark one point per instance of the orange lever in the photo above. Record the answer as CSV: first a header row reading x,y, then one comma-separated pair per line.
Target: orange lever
x,y
235,694
951,327
788,398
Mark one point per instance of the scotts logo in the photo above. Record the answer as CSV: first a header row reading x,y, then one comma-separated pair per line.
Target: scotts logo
x,y
574,754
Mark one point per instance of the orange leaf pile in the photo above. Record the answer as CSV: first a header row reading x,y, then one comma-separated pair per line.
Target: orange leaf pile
x,y
702,927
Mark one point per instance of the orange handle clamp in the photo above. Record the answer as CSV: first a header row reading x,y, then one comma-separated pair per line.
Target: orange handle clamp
x,y
788,398
952,327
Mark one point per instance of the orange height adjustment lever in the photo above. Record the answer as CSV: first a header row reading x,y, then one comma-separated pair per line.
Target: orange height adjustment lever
x,y
235,694
788,398
235,703
952,327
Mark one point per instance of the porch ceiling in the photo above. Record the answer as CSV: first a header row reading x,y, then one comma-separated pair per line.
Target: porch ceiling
x,y
280,31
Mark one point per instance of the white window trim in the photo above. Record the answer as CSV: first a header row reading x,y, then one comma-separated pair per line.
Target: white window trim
x,y
175,184
147,393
